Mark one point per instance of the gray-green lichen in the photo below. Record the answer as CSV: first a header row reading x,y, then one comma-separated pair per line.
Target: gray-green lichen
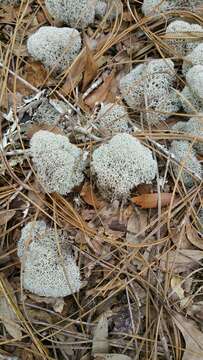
x,y
44,271
149,88
194,78
182,40
193,127
55,47
48,113
194,58
156,7
191,103
122,164
111,119
58,163
186,155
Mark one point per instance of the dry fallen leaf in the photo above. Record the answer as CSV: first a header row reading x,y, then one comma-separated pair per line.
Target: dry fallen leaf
x,y
137,223
90,64
90,197
59,305
180,261
192,336
7,314
100,343
150,201
101,93
35,73
75,74
196,310
6,215
32,129
179,238
193,236
177,289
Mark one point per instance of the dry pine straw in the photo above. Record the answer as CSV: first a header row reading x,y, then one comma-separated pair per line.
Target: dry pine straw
x,y
141,268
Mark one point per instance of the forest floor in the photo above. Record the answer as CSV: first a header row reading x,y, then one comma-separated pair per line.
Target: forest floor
x,y
140,260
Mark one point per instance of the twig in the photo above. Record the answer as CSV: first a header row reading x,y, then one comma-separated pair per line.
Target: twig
x,y
17,152
19,78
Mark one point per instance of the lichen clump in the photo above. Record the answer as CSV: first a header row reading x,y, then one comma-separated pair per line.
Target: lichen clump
x,y
112,118
193,127
150,87
45,272
47,113
155,7
181,41
184,154
122,164
190,101
76,13
192,94
55,47
194,58
58,163
194,79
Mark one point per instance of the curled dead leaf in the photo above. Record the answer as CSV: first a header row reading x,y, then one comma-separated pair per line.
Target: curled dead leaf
x,y
90,64
193,338
35,73
6,215
32,129
90,197
75,74
101,93
180,261
136,224
196,310
193,237
7,311
151,201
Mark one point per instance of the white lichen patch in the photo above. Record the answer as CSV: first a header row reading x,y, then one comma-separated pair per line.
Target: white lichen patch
x,y
58,163
194,58
190,101
55,47
183,36
156,7
149,88
80,13
194,78
48,114
112,118
44,271
193,127
186,156
122,164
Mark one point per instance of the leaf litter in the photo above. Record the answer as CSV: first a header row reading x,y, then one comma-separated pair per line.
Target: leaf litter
x,y
141,260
